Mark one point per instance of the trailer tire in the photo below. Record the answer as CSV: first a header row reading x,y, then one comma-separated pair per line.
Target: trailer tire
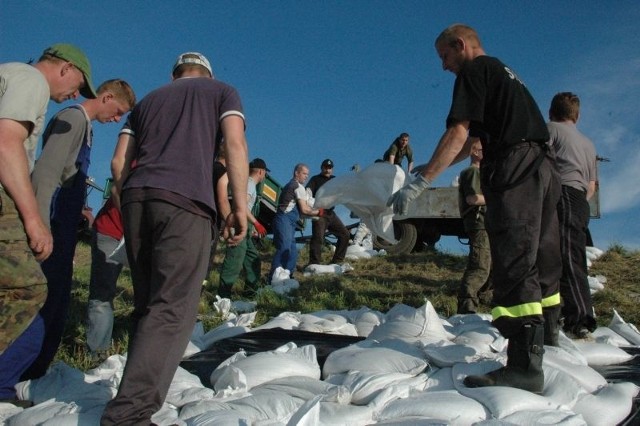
x,y
406,234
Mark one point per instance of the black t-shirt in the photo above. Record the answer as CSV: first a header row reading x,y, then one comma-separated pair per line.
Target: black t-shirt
x,y
495,101
316,182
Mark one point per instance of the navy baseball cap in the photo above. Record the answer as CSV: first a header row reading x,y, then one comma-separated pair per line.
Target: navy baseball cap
x,y
258,163
327,163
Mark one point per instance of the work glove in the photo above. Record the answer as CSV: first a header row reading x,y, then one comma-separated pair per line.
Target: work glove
x,y
261,230
400,199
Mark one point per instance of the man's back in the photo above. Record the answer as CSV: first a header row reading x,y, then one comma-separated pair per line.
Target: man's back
x,y
176,127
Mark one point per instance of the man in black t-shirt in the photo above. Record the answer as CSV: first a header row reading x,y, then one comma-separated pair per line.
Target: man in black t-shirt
x,y
521,189
330,221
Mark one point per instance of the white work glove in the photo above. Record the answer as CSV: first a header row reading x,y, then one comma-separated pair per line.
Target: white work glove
x,y
401,198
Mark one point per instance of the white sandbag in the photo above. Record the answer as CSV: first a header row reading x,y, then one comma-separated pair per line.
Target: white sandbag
x,y
76,419
286,321
389,356
366,194
330,323
317,413
364,319
197,408
167,415
609,405
585,376
626,330
287,360
8,410
219,418
609,337
186,387
356,251
561,388
568,346
334,268
501,401
445,354
267,406
450,406
593,253
41,412
598,354
411,324
440,380
545,418
594,284
364,387
306,388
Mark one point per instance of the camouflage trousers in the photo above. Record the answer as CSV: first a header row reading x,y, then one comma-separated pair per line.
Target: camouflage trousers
x,y
476,277
23,287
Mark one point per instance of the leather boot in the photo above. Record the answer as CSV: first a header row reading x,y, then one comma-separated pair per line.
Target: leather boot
x,y
551,325
524,363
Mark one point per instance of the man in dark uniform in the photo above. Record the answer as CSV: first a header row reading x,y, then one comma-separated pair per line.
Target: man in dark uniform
x,y
521,188
329,221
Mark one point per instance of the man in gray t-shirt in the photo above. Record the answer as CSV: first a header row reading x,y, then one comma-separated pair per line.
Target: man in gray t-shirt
x,y
576,162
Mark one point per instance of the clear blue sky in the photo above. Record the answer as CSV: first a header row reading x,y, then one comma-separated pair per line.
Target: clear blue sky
x,y
341,79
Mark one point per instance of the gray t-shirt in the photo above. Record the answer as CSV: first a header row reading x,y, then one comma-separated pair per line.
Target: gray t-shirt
x,y
575,155
24,95
56,166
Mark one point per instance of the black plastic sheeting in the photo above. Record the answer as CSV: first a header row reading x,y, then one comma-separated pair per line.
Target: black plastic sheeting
x,y
203,363
626,372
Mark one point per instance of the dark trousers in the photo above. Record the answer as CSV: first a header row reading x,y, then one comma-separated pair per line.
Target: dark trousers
x,y
168,250
332,223
577,307
522,223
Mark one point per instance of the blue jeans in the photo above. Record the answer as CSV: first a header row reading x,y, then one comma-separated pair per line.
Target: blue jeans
x,y
284,233
102,290
18,357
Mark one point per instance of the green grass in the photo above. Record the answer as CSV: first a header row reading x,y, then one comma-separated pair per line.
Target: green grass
x,y
378,283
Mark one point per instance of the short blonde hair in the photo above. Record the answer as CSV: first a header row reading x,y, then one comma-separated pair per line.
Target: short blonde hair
x,y
120,89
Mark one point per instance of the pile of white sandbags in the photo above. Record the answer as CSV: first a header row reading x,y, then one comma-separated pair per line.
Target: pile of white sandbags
x,y
409,370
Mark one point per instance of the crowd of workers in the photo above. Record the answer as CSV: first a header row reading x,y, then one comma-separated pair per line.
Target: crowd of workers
x,y
523,200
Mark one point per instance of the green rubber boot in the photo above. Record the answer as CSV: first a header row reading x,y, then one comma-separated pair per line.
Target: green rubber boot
x,y
524,363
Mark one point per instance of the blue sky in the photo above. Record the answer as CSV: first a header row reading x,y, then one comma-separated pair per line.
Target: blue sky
x,y
341,79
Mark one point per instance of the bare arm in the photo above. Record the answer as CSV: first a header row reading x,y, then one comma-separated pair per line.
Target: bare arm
x,y
14,177
475,200
222,197
305,209
238,173
591,190
452,147
121,164
410,168
391,159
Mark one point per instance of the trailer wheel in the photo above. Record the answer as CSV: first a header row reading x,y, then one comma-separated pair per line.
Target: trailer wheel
x,y
406,234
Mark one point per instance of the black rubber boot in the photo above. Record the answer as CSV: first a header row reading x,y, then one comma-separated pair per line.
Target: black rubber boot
x,y
524,363
551,325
